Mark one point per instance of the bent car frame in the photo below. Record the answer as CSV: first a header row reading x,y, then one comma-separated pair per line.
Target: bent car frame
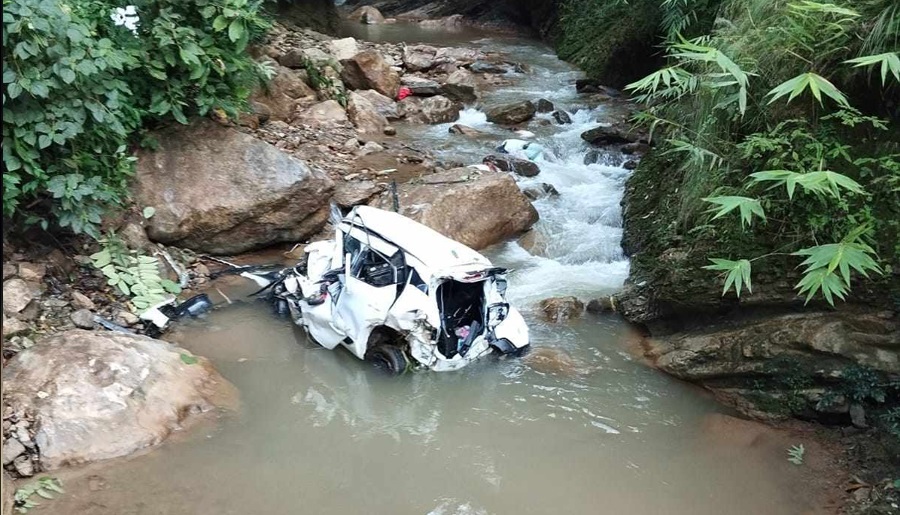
x,y
396,293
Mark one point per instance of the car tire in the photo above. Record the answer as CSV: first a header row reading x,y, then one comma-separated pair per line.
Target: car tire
x,y
389,358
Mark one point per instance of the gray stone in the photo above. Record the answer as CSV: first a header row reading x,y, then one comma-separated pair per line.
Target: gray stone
x,y
561,117
12,449
518,166
83,319
560,309
32,272
126,318
858,416
81,301
543,105
9,270
511,114
17,294
420,86
13,326
344,48
539,191
24,466
601,305
605,135
431,110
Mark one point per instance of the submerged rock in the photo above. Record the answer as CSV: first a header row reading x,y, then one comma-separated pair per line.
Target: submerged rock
x,y
560,309
511,114
539,191
100,395
221,191
368,70
465,130
561,117
477,210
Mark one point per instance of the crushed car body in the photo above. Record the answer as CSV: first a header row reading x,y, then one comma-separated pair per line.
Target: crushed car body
x,y
395,292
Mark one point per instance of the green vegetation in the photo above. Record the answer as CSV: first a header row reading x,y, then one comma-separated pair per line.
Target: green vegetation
x,y
44,487
83,80
796,453
783,114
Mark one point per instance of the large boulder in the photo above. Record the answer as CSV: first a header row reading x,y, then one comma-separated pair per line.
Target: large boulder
x,y
420,86
511,114
477,210
418,58
559,309
367,14
324,114
284,94
387,107
431,110
221,191
365,115
344,48
461,85
101,395
368,70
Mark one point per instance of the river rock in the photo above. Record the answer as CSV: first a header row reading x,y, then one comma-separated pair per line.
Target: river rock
x,y
420,86
32,272
367,14
12,449
594,86
9,270
561,117
365,115
560,309
368,70
418,58
606,135
430,110
543,105
24,466
481,66
461,86
465,130
218,190
387,107
518,166
81,301
349,194
344,48
100,395
82,319
511,114
539,191
17,294
601,305
14,326
284,94
477,210
325,114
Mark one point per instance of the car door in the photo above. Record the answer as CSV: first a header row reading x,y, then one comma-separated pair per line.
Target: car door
x,y
369,291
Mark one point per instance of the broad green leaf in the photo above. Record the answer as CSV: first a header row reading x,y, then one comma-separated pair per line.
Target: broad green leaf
x,y
745,205
889,61
737,273
236,30
187,359
816,84
220,23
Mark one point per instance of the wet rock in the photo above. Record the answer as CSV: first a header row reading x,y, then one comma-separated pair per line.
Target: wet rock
x,y
24,466
635,148
511,114
367,14
430,110
601,305
539,191
560,309
465,130
592,157
282,96
370,148
9,270
130,392
535,242
325,114
82,319
81,301
543,105
12,449
631,164
553,361
364,115
461,86
421,87
594,86
475,209
344,48
606,135
561,117
385,106
17,294
448,22
368,70
482,66
32,272
508,163
218,190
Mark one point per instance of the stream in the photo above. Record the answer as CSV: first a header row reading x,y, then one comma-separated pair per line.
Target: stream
x,y
592,430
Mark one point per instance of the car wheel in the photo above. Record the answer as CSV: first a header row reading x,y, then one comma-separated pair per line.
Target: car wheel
x,y
388,358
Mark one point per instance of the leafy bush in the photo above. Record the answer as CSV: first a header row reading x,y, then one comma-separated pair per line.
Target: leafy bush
x,y
759,116
83,78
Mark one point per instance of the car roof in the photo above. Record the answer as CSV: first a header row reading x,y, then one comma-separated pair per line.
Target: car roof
x,y
432,248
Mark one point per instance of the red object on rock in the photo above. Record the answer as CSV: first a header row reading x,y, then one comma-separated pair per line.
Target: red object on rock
x,y
403,93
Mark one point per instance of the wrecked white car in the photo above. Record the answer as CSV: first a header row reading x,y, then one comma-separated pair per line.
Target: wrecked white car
x,y
397,293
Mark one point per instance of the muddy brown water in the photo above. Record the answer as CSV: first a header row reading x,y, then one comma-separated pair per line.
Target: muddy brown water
x,y
580,426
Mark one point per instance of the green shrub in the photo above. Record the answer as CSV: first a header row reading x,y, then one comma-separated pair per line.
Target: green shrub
x,y
79,88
